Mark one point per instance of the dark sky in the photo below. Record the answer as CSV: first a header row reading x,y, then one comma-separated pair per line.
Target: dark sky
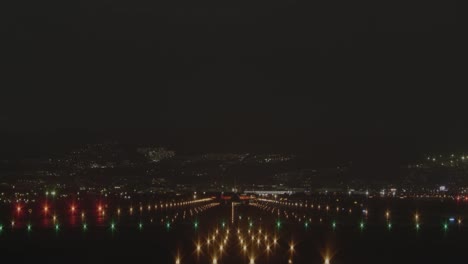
x,y
353,76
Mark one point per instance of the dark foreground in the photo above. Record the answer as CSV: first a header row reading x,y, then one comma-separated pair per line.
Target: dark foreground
x,y
315,237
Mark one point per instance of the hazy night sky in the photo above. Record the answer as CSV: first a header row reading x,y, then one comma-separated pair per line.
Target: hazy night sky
x,y
353,76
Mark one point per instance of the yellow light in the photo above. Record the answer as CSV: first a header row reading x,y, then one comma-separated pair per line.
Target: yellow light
x,y
252,260
215,260
177,261
327,260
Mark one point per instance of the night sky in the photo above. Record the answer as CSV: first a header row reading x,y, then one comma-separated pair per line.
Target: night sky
x,y
342,77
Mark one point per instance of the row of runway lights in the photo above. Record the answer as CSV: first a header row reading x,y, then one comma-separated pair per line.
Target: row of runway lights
x,y
387,216
361,225
102,212
318,207
249,245
85,226
168,225
100,208
168,222
295,215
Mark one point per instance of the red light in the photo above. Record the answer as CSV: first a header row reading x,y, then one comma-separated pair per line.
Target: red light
x,y
46,209
100,208
73,208
18,209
